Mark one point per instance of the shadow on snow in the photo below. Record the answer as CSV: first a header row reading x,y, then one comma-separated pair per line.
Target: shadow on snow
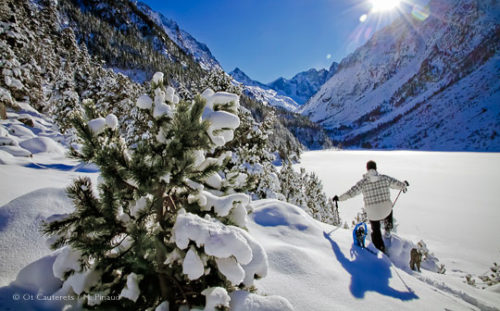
x,y
80,168
270,217
368,273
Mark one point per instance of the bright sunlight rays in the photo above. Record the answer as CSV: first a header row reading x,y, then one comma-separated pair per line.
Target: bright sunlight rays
x,y
384,5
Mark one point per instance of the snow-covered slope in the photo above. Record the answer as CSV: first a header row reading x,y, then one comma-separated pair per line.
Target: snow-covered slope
x,y
34,170
313,265
420,83
317,267
199,51
261,92
304,84
450,204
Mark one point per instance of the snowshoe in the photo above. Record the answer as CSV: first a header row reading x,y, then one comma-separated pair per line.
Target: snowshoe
x,y
359,234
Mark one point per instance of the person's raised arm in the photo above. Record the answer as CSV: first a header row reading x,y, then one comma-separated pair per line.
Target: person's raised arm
x,y
354,191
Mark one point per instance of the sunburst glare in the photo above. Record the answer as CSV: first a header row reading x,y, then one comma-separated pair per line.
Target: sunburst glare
x,y
384,5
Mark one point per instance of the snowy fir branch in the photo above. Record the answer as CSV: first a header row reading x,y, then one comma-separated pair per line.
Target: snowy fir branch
x,y
163,227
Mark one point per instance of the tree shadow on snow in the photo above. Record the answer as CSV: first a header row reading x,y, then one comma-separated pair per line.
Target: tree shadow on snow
x,y
80,168
368,273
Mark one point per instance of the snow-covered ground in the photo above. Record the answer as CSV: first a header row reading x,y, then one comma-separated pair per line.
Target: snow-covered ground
x,y
452,202
316,267
451,205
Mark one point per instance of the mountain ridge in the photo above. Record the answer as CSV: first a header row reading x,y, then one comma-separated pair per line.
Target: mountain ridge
x,y
302,86
400,74
299,88
199,51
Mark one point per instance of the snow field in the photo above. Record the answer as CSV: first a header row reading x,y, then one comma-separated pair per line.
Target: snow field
x,y
313,265
37,135
450,203
316,267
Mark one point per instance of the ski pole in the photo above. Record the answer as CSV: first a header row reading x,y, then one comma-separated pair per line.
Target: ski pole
x,y
407,184
397,197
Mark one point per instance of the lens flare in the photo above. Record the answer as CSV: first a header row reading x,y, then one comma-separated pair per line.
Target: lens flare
x,y
384,5
420,13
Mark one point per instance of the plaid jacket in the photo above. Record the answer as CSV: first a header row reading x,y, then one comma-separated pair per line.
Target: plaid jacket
x,y
375,188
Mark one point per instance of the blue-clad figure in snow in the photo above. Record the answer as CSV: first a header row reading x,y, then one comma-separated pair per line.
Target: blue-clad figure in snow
x,y
377,198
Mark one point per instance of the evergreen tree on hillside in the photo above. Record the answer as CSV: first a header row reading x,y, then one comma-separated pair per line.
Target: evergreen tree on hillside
x,y
164,229
292,184
306,190
218,80
332,215
315,197
252,157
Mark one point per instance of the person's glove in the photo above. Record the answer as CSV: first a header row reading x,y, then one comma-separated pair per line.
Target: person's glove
x,y
335,198
407,185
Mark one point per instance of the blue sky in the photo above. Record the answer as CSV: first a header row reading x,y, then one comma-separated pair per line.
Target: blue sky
x,y
272,38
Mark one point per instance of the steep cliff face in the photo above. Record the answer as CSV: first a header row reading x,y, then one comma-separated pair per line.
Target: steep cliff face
x,y
420,83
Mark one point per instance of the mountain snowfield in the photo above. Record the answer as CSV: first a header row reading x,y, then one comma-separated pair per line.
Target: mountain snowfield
x,y
450,205
428,84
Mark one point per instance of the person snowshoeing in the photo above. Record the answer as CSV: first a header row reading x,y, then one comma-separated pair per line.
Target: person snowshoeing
x,y
377,199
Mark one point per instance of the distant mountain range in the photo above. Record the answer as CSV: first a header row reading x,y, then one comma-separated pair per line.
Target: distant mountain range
x,y
304,84
299,88
428,81
261,92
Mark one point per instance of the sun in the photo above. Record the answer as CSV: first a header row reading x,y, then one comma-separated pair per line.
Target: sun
x,y
384,5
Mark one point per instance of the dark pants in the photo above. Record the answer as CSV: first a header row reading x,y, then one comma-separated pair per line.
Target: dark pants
x,y
377,234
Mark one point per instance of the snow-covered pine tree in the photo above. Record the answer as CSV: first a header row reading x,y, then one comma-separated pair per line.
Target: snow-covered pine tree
x,y
269,186
218,80
251,157
160,231
332,215
360,217
292,186
306,190
64,99
315,198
